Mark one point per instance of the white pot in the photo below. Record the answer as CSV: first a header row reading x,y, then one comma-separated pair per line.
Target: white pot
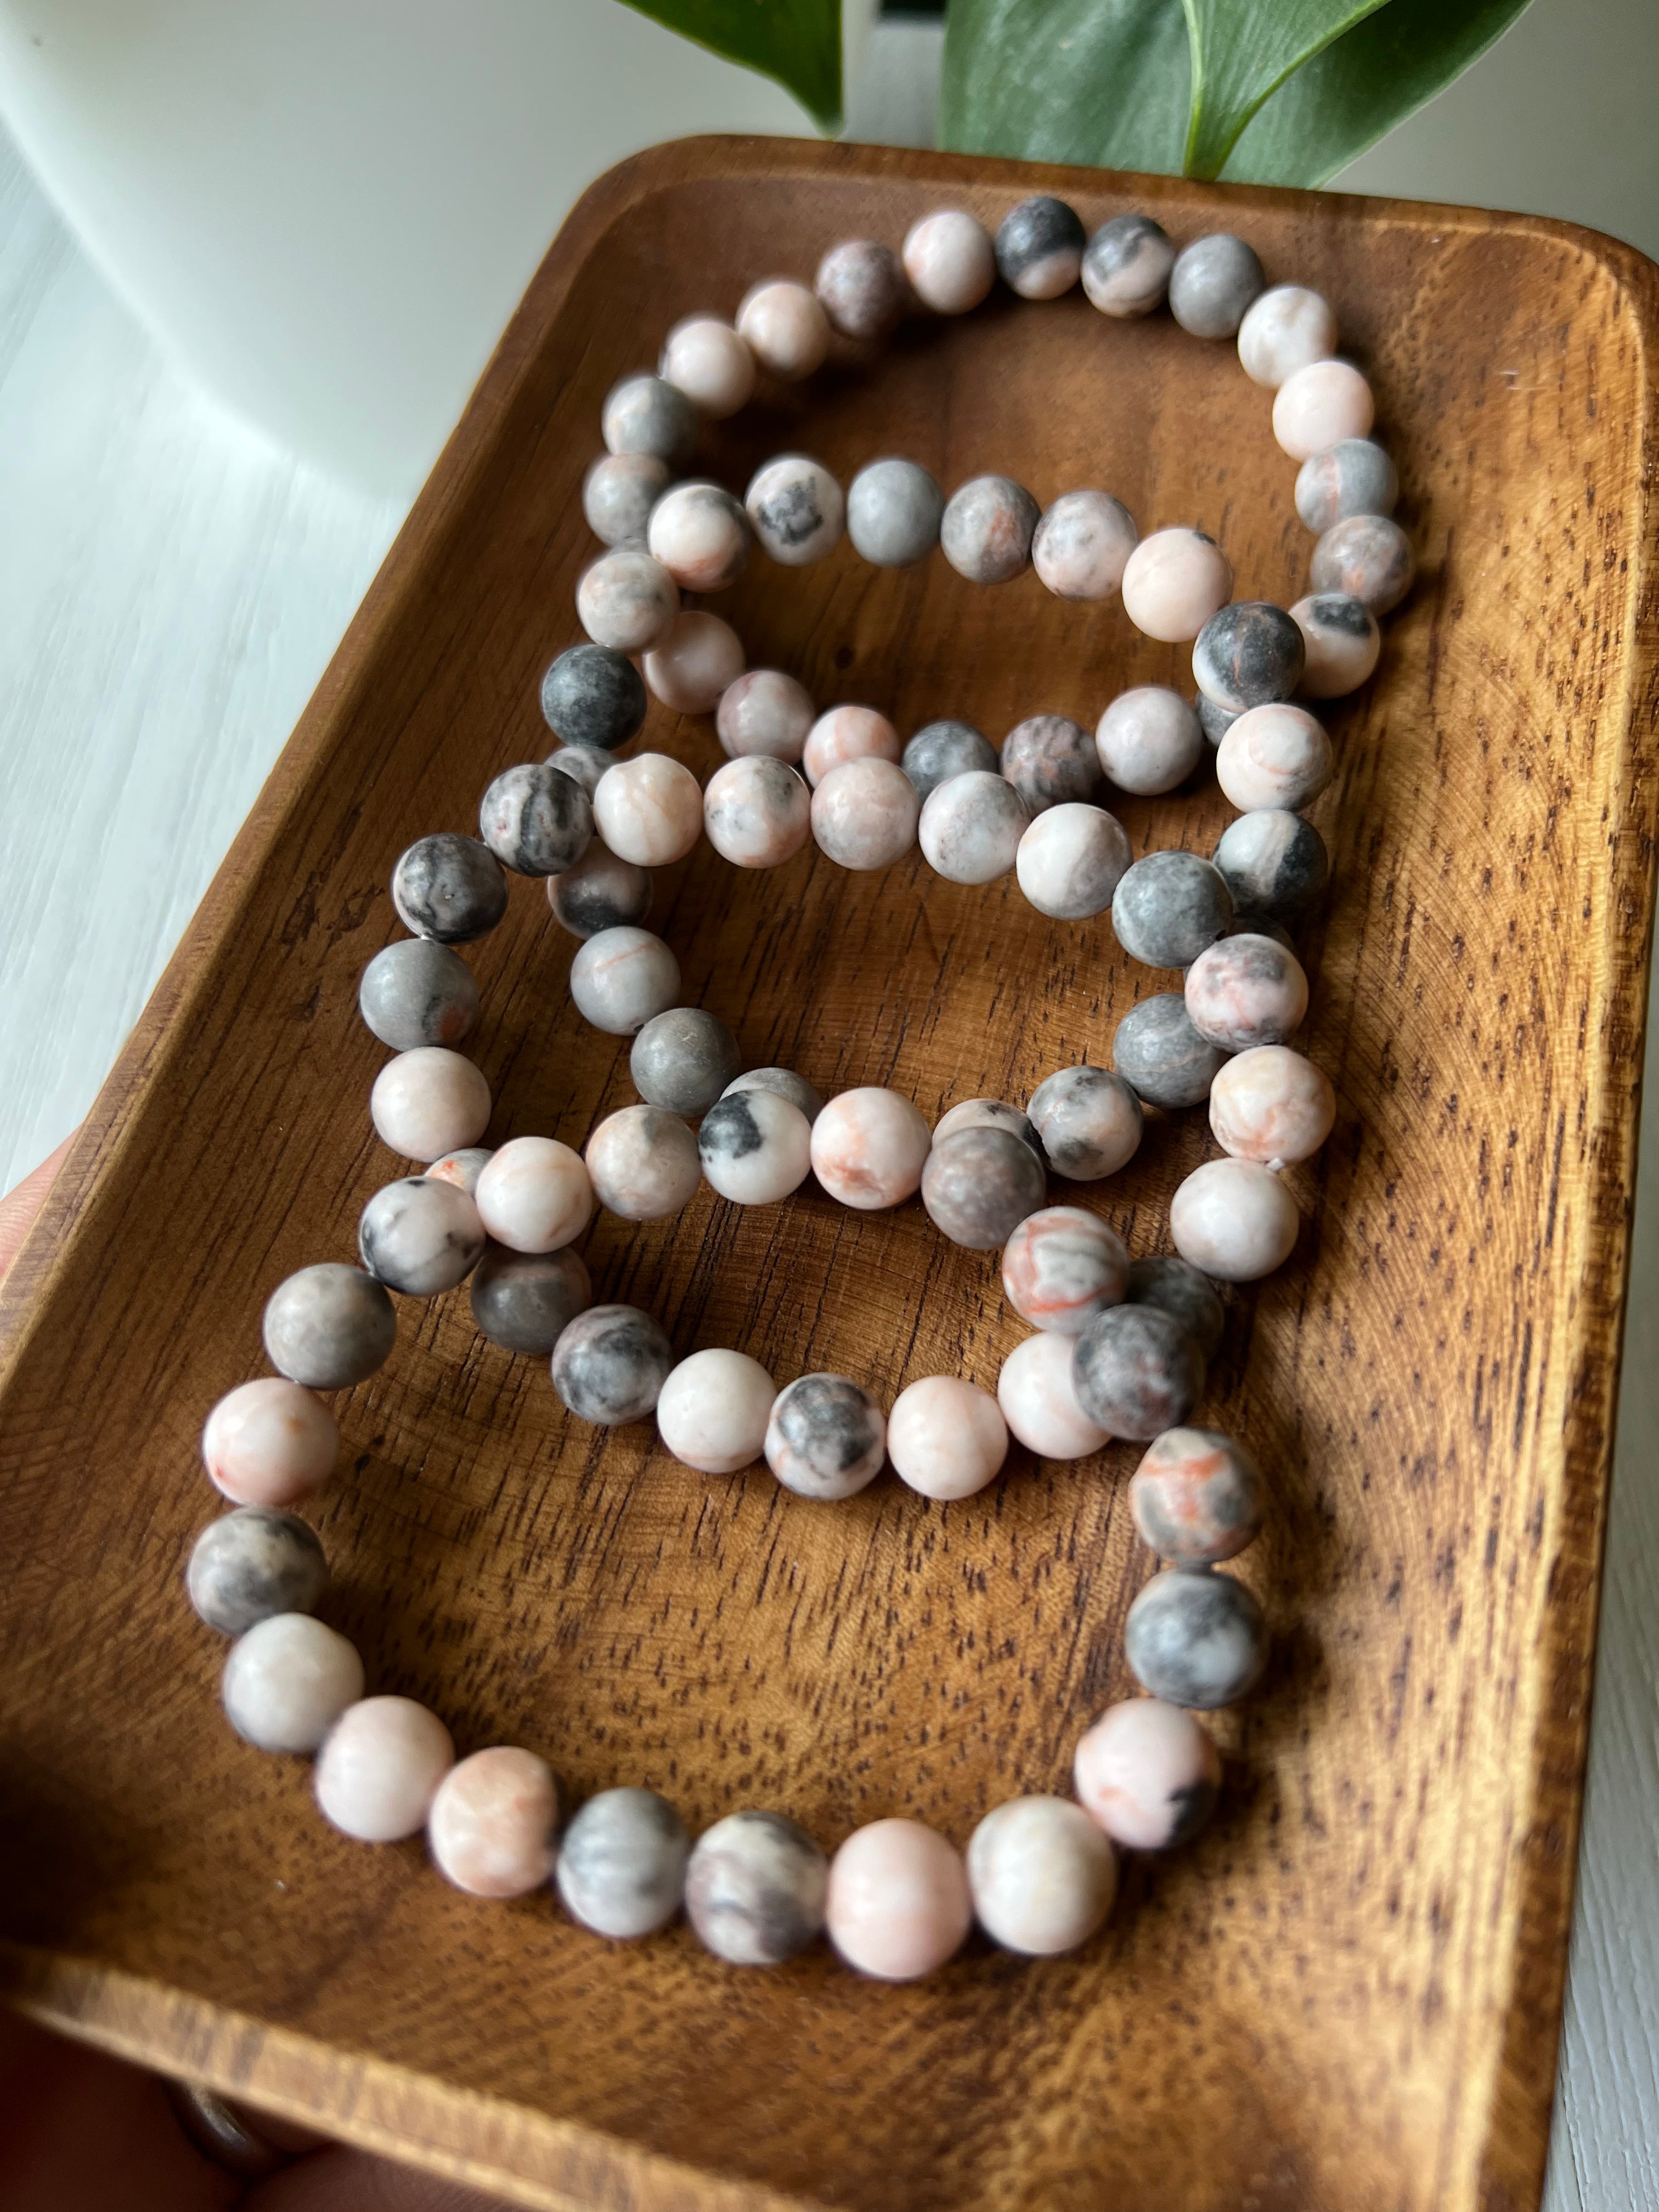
x,y
327,209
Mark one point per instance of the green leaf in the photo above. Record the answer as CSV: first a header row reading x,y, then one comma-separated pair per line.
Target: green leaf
x,y
1242,52
1103,81
797,42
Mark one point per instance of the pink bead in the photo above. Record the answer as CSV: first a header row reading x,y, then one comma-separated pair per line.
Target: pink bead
x,y
711,364
1148,1773
1173,582
898,1905
1342,641
758,812
1039,1403
494,1827
869,1148
1318,406
950,261
1270,1105
1276,756
785,328
429,1102
1246,990
701,535
378,1769
946,1437
1061,1266
693,665
626,600
1235,1220
268,1442
848,733
865,815
764,713
649,810
534,1194
1283,330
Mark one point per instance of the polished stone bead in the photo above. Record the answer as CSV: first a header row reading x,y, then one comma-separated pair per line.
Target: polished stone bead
x,y
1367,557
1127,264
939,751
1168,907
713,1411
894,509
427,1102
1061,1266
621,977
601,893
1284,330
1196,1638
1039,247
711,364
1088,1120
756,1889
683,1059
1274,863
1148,740
379,1768
1247,990
847,733
644,413
1136,1371
593,697
420,1237
1214,721
621,1869
1039,1401
949,260
610,1364
1148,1773
1082,546
534,1194
448,888
1249,652
797,509
1353,476
755,1147
1197,1498
756,811
1070,861
268,1442
618,493
1043,1876
1173,582
1272,1105
328,1326
701,534
535,821
642,1164
988,1114
288,1681
862,288
1177,1288
869,1147
253,1564
494,1827
1342,640
417,992
1213,283
865,815
524,1301
970,827
1274,756
1160,1054
980,1184
1234,1220
898,1904
764,714
1051,761
1322,405
985,531
626,600
825,1437
785,1082
692,667
785,328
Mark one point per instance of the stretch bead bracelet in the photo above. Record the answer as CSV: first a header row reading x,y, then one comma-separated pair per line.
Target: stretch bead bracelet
x,y
1121,1348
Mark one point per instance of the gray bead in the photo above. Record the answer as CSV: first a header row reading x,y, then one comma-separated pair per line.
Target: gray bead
x,y
591,696
1039,247
1353,476
683,1060
420,1236
253,1564
583,763
784,1081
609,1365
618,493
825,1438
329,1326
1213,283
416,993
893,512
1168,907
1197,1638
987,528
1079,1114
1136,1371
600,892
449,888
1160,1054
1179,1289
535,820
1248,653
644,413
524,1301
862,288
979,1185
941,749
756,1888
1214,721
1051,760
1125,267
621,1869
1274,862
1368,557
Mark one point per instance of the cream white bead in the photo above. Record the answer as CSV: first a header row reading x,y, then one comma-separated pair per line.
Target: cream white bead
x,y
1082,546
268,1442
626,600
1342,643
1148,740
1234,1219
756,812
1284,330
1272,1105
950,261
1321,404
288,1681
946,1437
534,1194
1072,859
379,1770
711,364
869,1147
1043,1876
764,713
865,814
755,1147
1034,1392
429,1102
971,826
642,1164
1274,756
622,977
848,733
714,1409
701,535
797,509
1173,582
785,328
697,659
649,810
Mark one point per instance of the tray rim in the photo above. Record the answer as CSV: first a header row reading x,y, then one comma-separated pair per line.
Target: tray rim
x,y
278,2068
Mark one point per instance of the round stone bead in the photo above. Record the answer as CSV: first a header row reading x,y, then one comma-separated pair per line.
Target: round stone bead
x,y
1213,282
618,493
1248,990
711,364
1043,1876
1136,1371
1168,907
988,1114
429,1102
764,714
600,892
941,749
328,1326
534,1195
1061,1266
626,600
1270,1105
1342,643
713,1411
1353,476
865,814
610,1364
898,1902
869,1148
270,1443
946,1437
1249,652
420,1237
1039,247
825,1438
1161,1056
494,1827
1284,330
1173,582
1214,721
1082,546
756,811
785,1082
683,1060
980,1184
861,288
950,261
985,531
847,733
1051,761
701,534
417,992
1274,863
1234,1220
1148,740
1125,267
1148,1773
1197,1497
593,698
251,1565
1275,756
621,977
756,1889
379,1771
1039,1403
755,1147
645,413
785,328
1367,557
448,888
797,509
1195,1638
642,1164
288,1681
535,821
970,828
1320,405
894,509
524,1301
621,1868
692,668
1176,1288
1070,861
1088,1121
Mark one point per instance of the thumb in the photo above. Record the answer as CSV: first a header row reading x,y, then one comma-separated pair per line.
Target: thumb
x,y
19,1208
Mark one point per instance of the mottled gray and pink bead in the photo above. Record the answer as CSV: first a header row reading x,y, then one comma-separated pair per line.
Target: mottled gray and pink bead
x,y
1270,1105
251,1565
1082,546
1274,756
618,493
865,814
1197,1498
1061,1266
764,714
645,413
642,1163
524,1301
327,1326
756,1889
1247,653
979,1184
601,892
985,531
1342,640
420,1236
1125,267
1088,1120
1353,476
1366,558
1051,760
1039,247
797,508
626,600
621,1868
862,288
755,1144
1196,1638
825,1438
756,811
970,828
1148,1773
1136,1371
1247,990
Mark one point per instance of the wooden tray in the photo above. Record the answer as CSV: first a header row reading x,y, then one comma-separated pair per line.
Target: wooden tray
x,y
1347,1994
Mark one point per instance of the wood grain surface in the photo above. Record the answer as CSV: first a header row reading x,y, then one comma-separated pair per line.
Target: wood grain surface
x,y
1347,1995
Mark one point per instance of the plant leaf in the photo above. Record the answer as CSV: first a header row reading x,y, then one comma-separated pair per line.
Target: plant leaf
x,y
1242,52
797,42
